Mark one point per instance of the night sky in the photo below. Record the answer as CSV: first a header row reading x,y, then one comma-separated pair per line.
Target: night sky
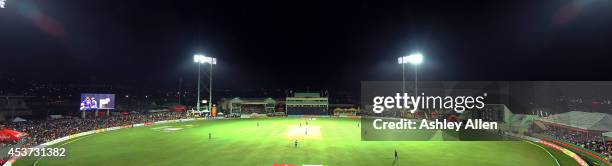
x,y
299,44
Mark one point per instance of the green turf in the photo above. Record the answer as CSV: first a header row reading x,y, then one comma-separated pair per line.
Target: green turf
x,y
241,142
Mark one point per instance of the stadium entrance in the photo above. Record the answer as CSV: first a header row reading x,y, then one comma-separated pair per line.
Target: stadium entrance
x,y
307,104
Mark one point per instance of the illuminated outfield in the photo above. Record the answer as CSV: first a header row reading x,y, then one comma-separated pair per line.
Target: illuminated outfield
x,y
241,142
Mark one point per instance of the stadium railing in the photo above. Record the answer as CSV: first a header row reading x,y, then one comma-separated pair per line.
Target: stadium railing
x,y
564,150
590,155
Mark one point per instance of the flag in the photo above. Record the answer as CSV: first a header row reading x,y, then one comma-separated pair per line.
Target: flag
x,y
8,134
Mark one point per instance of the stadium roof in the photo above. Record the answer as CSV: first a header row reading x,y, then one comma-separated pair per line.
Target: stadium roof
x,y
522,120
253,100
582,120
298,94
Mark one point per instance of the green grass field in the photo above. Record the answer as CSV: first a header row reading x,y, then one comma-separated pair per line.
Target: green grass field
x,y
242,142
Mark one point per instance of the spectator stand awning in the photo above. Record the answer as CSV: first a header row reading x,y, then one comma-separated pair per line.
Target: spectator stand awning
x,y
607,135
18,119
540,125
586,121
523,121
55,116
8,134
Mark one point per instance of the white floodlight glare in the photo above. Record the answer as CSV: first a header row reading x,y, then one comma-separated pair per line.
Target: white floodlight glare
x,y
2,3
204,59
415,59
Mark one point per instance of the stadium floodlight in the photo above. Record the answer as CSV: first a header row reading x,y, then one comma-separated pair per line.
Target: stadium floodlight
x,y
201,59
204,59
2,3
415,59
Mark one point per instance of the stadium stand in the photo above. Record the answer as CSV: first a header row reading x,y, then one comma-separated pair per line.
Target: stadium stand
x,y
583,132
238,106
307,104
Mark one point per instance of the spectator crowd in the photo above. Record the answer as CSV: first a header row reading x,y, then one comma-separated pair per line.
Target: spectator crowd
x,y
592,142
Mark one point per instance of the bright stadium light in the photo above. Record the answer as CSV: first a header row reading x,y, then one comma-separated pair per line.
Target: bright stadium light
x,y
415,59
2,3
204,59
196,58
201,59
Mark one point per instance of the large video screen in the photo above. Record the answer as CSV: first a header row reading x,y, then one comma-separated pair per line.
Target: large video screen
x,y
94,101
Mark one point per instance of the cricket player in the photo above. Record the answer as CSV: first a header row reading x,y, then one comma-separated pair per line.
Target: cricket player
x,y
395,154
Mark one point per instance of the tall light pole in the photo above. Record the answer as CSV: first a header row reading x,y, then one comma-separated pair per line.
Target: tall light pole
x,y
200,59
415,59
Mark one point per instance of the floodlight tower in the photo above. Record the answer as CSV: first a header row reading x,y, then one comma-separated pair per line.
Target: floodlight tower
x,y
415,59
200,59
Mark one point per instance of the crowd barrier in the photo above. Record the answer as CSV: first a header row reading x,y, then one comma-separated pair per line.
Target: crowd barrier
x,y
589,154
248,116
309,116
565,151
573,155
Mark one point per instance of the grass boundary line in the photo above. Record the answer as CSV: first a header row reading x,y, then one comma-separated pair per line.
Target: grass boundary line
x,y
546,150
65,143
